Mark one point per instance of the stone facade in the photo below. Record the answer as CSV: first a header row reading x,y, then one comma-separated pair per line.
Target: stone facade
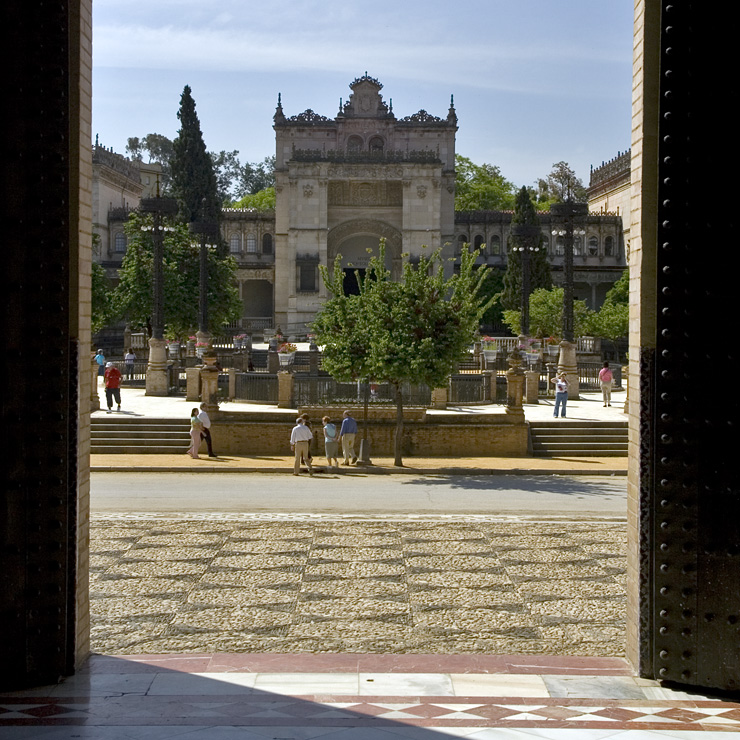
x,y
118,185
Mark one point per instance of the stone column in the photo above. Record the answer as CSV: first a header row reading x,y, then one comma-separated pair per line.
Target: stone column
x,y
232,382
568,364
532,391
209,382
515,385
626,383
94,396
156,371
192,384
285,390
439,398
489,385
273,363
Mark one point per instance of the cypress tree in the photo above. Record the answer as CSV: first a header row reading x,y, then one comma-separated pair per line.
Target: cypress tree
x,y
539,268
193,178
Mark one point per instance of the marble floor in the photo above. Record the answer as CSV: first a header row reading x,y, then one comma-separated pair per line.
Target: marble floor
x,y
361,697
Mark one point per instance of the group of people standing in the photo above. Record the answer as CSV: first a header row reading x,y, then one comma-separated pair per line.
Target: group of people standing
x,y
606,381
301,438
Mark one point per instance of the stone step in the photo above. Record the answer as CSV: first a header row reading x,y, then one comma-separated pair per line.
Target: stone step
x,y
562,437
137,436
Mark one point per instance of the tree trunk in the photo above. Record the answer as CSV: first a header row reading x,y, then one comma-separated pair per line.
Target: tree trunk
x,y
398,442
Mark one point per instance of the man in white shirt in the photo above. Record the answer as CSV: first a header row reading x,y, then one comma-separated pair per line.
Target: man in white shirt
x,y
300,439
206,434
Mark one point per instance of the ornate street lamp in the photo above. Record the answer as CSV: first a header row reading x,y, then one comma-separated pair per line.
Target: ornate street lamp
x,y
156,371
565,217
527,241
208,232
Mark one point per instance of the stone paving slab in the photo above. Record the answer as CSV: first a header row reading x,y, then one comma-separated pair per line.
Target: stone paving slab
x,y
338,585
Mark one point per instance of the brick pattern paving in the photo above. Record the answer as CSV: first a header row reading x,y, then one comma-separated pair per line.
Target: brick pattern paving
x,y
356,586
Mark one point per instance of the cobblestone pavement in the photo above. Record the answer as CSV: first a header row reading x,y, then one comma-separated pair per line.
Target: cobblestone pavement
x,y
332,584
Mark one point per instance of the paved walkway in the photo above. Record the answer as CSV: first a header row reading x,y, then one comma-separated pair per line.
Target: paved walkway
x,y
361,697
588,408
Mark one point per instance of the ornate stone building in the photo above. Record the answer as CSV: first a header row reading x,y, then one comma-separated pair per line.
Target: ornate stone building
x,y
343,183
118,184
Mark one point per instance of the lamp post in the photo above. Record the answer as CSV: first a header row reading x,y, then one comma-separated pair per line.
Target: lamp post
x,y
208,233
156,371
565,216
527,236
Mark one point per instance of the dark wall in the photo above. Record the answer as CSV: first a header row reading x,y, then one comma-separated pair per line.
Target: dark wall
x,y
39,420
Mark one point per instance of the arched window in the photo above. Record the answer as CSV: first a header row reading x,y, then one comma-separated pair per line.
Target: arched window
x,y
609,246
251,243
119,243
235,243
496,244
560,246
462,240
267,244
376,144
593,246
478,241
354,144
577,245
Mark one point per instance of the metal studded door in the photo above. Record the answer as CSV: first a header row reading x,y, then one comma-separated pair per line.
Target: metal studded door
x,y
38,202
692,381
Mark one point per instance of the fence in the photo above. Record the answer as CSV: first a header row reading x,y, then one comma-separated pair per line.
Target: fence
x,y
260,387
322,390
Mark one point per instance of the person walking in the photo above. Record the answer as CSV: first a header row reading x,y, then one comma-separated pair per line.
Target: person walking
x,y
331,443
561,394
607,380
300,439
307,422
196,429
129,358
206,433
347,434
100,359
112,380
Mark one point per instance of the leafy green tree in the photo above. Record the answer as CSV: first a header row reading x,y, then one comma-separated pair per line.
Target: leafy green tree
x,y
539,267
481,187
558,186
264,200
193,178
158,148
102,299
546,315
491,289
132,297
228,171
612,319
414,330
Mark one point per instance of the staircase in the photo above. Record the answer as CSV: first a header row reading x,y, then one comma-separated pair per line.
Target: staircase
x,y
127,436
562,437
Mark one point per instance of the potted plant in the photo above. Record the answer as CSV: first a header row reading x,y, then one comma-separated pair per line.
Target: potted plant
x,y
239,341
489,348
190,347
200,348
553,346
286,353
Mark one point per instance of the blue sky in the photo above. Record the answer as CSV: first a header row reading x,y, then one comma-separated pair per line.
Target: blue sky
x,y
535,81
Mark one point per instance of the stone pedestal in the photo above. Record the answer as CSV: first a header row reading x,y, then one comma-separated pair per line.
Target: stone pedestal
x,y
532,387
515,386
156,371
209,382
439,398
94,396
568,364
273,363
192,384
285,390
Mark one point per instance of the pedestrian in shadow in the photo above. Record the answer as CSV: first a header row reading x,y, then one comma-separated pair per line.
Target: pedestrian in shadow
x,y
100,359
331,442
129,358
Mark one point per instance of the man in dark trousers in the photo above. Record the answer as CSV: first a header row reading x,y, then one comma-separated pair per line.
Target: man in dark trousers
x,y
206,433
112,379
